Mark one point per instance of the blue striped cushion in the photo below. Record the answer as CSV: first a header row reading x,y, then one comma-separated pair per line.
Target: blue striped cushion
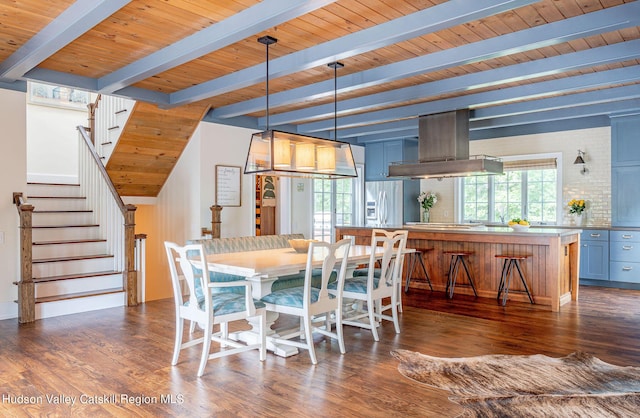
x,y
292,296
297,279
355,285
365,272
227,303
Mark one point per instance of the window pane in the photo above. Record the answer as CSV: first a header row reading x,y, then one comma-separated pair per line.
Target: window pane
x,y
476,192
329,197
516,194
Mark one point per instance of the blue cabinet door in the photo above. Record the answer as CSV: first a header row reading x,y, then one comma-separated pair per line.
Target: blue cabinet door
x,y
594,260
378,156
393,153
625,195
625,170
625,140
374,168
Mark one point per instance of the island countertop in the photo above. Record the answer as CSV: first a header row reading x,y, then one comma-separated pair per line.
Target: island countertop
x,y
479,229
551,270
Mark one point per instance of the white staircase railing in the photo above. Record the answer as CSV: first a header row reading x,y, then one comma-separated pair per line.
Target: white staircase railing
x,y
111,114
116,219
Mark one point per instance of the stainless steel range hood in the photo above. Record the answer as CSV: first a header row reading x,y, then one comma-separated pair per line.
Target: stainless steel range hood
x,y
443,150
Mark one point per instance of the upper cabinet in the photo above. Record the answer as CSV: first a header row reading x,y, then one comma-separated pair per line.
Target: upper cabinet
x,y
625,170
379,155
625,140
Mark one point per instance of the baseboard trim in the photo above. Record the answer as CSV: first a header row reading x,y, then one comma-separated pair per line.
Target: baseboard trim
x,y
8,310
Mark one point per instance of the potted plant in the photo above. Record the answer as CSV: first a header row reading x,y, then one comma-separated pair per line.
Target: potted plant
x,y
577,207
427,200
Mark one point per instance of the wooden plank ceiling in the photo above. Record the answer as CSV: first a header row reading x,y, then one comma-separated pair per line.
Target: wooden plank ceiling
x,y
515,63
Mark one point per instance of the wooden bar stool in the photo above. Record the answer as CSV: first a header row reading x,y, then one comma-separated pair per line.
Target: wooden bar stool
x,y
416,258
511,262
458,258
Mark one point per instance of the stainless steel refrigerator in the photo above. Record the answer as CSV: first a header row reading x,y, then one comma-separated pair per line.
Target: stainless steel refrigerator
x,y
391,203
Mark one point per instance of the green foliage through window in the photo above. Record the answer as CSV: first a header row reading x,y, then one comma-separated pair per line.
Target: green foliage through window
x,y
527,194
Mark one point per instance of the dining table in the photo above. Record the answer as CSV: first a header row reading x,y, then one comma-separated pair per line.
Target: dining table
x,y
263,267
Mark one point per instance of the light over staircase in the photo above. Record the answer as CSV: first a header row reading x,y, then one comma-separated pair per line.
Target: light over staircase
x,y
72,268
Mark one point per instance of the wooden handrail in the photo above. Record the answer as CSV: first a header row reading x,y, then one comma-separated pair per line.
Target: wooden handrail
x,y
92,118
26,289
128,212
103,171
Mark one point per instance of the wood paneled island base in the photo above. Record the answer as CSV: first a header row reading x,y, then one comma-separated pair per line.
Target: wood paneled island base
x,y
551,271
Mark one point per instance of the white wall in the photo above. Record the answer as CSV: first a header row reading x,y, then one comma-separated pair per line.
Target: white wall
x,y
182,206
52,142
595,186
13,161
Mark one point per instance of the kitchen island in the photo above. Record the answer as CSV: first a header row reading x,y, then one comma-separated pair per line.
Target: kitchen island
x,y
551,271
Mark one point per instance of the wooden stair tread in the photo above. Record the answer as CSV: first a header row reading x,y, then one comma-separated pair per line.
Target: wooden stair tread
x,y
71,258
52,184
56,197
74,276
69,241
65,226
79,295
64,211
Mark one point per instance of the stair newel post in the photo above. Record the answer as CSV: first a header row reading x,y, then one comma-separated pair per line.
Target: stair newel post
x,y
26,290
130,274
215,220
92,119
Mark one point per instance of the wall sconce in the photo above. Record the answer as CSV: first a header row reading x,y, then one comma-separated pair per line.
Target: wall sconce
x,y
580,160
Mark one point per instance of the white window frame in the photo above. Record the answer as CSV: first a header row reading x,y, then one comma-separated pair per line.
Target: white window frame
x,y
558,157
357,203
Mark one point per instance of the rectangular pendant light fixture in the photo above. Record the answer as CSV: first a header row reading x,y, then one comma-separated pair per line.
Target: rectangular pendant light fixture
x,y
308,156
278,153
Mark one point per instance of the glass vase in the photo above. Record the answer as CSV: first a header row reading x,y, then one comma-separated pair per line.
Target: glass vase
x,y
425,216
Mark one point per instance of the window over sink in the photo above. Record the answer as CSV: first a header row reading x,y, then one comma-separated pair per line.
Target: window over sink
x,y
530,188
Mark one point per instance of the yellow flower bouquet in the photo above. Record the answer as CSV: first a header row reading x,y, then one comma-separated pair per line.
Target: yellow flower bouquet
x,y
577,206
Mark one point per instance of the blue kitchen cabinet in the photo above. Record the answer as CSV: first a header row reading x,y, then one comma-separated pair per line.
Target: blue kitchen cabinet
x,y
625,195
625,256
625,140
594,254
625,170
378,156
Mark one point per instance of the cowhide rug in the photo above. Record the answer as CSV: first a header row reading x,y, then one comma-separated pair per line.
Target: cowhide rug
x,y
578,385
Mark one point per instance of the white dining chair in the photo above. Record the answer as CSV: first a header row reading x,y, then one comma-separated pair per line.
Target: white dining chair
x,y
364,271
379,283
210,303
311,303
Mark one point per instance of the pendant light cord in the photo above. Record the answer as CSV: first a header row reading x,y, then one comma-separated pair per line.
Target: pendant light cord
x,y
267,86
266,41
335,102
335,66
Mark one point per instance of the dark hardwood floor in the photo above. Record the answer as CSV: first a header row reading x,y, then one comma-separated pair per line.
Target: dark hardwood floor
x,y
99,356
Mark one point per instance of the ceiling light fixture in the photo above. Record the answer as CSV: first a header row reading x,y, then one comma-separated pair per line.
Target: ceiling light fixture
x,y
278,153
580,160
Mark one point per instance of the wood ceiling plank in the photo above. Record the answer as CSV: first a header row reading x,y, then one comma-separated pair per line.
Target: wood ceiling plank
x,y
151,140
139,178
568,8
136,166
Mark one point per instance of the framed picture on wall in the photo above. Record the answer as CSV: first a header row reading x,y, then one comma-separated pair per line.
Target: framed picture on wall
x,y
228,185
